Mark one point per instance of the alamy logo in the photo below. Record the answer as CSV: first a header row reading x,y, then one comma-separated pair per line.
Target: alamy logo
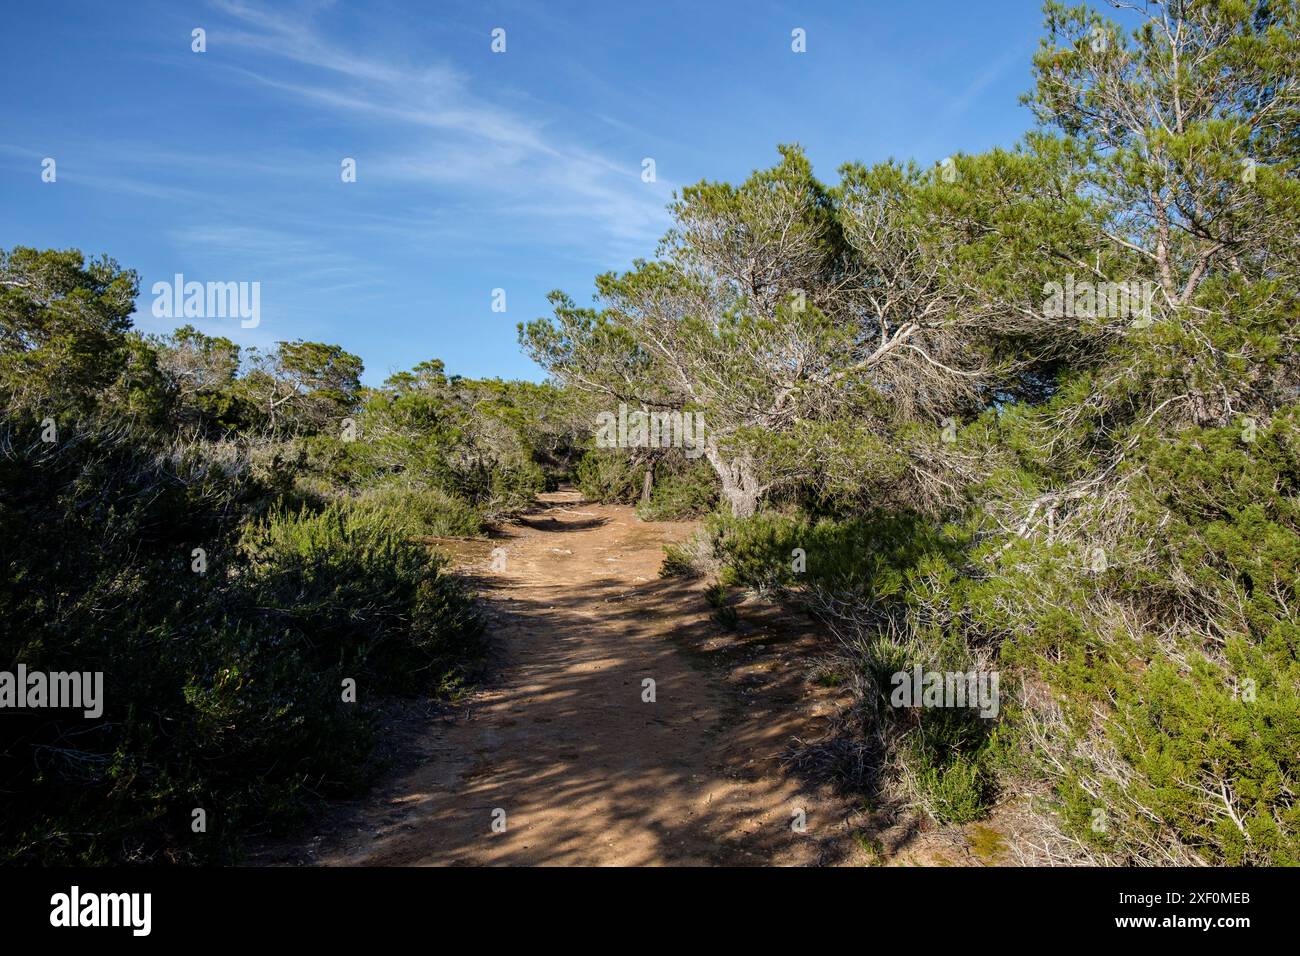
x,y
75,908
75,690
1099,300
919,688
179,299
642,429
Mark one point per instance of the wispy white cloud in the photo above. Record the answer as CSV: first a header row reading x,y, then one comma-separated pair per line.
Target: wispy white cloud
x,y
442,133
958,105
963,101
272,252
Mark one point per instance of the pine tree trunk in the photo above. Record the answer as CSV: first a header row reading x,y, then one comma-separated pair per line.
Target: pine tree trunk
x,y
739,485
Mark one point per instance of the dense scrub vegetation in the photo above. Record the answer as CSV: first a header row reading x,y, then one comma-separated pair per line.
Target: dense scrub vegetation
x,y
1032,411
229,538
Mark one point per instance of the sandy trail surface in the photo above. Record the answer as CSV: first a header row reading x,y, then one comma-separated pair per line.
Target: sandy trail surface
x,y
561,740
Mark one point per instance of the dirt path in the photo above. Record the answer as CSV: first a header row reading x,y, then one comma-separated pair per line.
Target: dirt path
x,y
561,740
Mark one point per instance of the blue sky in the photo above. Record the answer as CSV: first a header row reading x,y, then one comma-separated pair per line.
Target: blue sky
x,y
475,170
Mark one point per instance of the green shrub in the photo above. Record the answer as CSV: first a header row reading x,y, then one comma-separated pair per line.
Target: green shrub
x,y
222,687
423,512
609,476
684,493
870,556
370,598
1204,715
680,561
957,791
512,487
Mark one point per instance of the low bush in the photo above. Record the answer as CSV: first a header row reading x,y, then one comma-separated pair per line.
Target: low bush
x,y
685,492
372,600
609,476
423,512
223,646
681,487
